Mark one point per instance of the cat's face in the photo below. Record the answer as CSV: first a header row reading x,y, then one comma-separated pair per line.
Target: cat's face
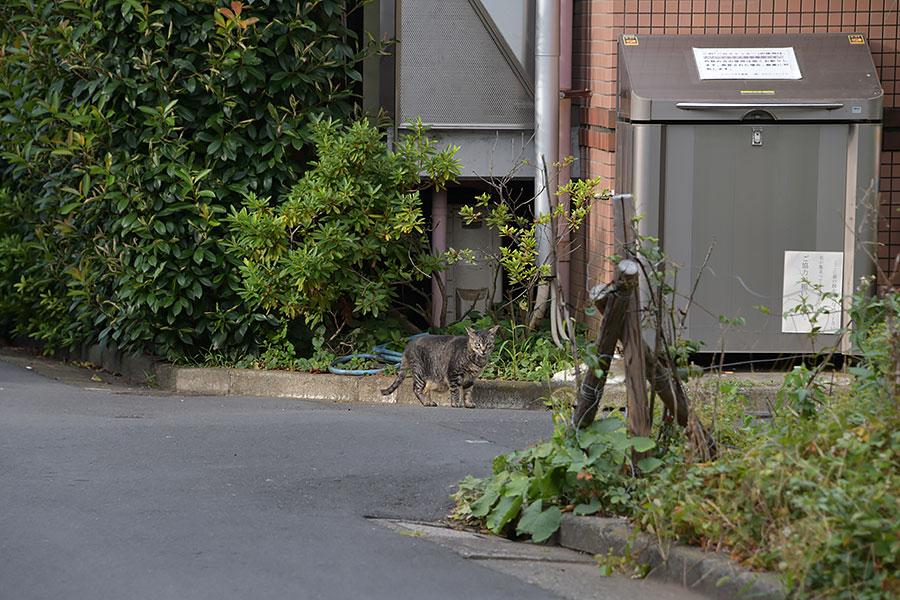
x,y
481,341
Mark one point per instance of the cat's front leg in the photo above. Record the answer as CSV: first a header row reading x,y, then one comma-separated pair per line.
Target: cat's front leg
x,y
467,395
454,394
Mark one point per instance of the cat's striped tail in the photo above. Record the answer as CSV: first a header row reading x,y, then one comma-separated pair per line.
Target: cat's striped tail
x,y
401,375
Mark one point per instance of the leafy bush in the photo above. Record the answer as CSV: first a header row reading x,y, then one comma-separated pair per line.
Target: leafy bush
x,y
510,216
349,234
816,500
723,404
130,129
19,276
586,471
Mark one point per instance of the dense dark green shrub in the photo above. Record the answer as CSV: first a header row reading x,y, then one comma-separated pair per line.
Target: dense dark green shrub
x,y
127,130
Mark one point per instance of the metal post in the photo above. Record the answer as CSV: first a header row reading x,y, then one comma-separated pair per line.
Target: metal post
x,y
565,116
546,114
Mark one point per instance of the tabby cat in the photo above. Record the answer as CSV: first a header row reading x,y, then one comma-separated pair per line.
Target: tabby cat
x,y
453,361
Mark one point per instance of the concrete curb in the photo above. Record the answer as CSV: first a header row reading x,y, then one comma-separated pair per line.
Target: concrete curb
x,y
321,387
134,367
712,574
327,387
759,393
758,389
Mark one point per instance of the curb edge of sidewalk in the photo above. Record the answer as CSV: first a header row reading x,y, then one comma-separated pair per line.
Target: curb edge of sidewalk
x,y
713,574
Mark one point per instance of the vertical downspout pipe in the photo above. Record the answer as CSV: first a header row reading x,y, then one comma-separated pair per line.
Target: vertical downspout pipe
x,y
546,113
546,137
565,133
438,247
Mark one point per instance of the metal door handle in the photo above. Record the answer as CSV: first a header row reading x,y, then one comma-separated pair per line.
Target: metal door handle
x,y
753,105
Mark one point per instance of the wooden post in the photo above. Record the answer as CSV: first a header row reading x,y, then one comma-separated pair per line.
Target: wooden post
x,y
666,387
639,418
615,307
635,377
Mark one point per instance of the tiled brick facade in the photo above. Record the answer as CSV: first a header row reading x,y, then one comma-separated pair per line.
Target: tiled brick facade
x,y
598,24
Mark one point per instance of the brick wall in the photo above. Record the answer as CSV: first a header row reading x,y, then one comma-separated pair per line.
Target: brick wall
x,y
598,23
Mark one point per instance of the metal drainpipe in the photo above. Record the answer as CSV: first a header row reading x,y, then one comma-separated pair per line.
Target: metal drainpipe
x,y
438,246
565,142
546,123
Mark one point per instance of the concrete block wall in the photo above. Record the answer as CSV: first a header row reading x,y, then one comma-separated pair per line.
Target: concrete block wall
x,y
597,25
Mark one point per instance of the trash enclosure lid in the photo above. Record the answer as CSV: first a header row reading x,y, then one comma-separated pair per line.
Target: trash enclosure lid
x,y
821,77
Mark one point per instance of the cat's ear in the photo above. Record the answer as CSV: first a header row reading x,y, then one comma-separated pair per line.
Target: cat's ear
x,y
470,331
494,329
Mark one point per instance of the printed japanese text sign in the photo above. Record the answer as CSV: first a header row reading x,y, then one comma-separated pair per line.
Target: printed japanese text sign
x,y
813,284
747,63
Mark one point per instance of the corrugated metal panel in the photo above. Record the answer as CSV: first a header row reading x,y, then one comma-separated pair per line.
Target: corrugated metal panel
x,y
453,73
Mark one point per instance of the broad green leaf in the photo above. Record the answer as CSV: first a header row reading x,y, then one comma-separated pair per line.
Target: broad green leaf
x,y
589,509
642,444
620,441
541,524
607,425
483,505
649,464
69,208
500,463
507,508
548,486
517,485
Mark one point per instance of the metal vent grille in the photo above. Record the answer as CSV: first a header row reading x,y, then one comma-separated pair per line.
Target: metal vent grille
x,y
452,73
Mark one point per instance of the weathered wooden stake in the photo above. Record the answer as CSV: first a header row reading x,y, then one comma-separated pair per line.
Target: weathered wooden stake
x,y
632,342
667,386
615,307
635,376
669,389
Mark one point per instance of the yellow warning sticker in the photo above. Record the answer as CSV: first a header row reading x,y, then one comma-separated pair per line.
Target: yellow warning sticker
x,y
747,92
630,40
857,38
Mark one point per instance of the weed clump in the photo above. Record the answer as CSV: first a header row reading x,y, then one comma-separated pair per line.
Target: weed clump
x,y
814,495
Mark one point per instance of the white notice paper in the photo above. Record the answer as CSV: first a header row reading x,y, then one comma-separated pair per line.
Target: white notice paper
x,y
747,63
813,284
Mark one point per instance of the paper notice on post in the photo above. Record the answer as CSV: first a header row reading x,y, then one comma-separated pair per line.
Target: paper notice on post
x,y
813,284
747,63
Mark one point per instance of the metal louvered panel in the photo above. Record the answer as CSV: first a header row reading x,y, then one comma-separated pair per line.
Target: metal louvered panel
x,y
454,73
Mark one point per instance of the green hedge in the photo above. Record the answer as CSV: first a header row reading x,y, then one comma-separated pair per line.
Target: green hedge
x,y
127,130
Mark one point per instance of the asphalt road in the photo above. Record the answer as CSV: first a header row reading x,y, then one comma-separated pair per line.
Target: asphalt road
x,y
110,492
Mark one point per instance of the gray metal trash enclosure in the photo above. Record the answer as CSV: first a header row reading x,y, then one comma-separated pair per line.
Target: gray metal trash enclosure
x,y
764,148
